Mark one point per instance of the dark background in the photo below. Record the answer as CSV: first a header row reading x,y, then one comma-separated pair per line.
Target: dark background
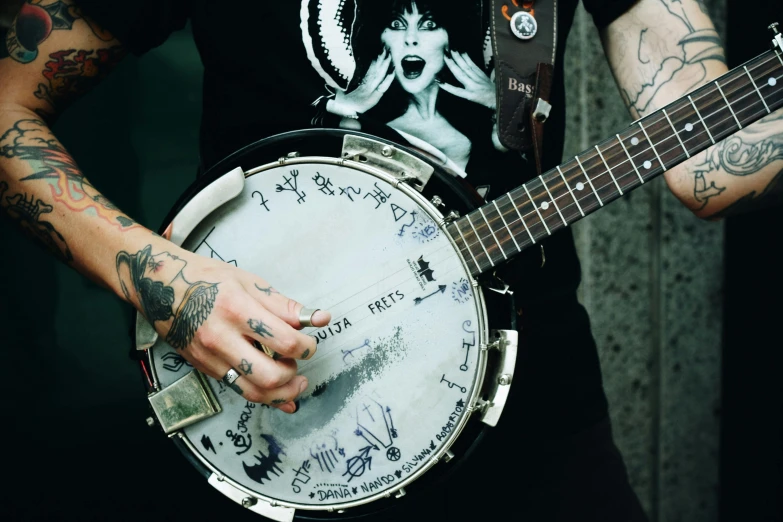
x,y
751,457
74,436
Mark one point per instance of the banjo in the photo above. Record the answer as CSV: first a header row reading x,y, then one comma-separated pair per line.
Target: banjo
x,y
412,368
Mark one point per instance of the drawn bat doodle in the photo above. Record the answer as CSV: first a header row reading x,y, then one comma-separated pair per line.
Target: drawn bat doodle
x,y
266,463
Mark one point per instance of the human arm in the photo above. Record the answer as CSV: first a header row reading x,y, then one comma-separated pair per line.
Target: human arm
x,y
658,51
209,311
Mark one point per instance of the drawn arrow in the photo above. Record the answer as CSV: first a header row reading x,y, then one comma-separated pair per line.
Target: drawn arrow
x,y
418,300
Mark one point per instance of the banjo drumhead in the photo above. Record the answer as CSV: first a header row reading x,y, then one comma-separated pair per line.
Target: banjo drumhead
x,y
397,369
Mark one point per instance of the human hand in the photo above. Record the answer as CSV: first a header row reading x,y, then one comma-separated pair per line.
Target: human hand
x,y
216,315
368,93
477,86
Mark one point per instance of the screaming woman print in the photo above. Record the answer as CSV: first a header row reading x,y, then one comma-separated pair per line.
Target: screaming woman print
x,y
420,67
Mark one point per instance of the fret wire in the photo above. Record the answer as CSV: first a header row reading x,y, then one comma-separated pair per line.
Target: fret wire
x,y
510,233
583,170
508,194
757,89
537,212
478,266
629,159
779,58
491,262
481,211
570,191
609,170
521,218
756,66
652,145
676,134
554,202
750,107
701,119
589,181
727,104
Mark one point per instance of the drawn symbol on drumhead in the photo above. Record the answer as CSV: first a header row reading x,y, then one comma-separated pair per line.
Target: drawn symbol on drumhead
x,y
347,191
324,184
408,225
399,212
293,186
460,291
378,195
425,231
383,430
301,475
261,196
174,362
327,454
346,353
212,252
266,464
453,384
425,272
440,290
393,454
467,345
357,465
207,443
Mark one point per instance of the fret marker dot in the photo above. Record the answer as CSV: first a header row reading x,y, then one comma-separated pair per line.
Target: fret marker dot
x,y
580,186
545,205
688,127
634,141
772,81
647,164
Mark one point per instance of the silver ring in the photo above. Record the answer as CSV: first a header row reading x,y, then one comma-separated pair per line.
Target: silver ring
x,y
306,316
230,376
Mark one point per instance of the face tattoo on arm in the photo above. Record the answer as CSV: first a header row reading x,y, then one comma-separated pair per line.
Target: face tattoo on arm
x,y
159,288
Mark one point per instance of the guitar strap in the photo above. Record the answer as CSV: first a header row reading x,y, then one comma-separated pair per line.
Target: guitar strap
x,y
524,37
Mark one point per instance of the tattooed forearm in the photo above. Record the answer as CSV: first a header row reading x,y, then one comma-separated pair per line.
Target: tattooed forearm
x,y
32,142
756,152
71,73
671,57
770,196
26,211
661,49
156,284
34,23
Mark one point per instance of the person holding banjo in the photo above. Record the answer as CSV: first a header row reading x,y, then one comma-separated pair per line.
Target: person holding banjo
x,y
315,376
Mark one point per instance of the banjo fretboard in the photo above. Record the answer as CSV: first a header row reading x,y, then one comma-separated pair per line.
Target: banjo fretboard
x,y
519,219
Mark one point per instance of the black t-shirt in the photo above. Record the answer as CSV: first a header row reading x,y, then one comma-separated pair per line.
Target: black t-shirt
x,y
271,67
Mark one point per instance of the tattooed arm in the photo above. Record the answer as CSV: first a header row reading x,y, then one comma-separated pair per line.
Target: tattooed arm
x,y
662,49
210,311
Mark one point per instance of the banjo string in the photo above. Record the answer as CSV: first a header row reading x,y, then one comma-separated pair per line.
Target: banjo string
x,y
590,207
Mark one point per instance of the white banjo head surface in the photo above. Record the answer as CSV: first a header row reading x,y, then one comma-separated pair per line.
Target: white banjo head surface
x,y
396,369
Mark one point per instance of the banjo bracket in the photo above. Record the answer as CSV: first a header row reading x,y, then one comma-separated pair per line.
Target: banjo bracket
x,y
404,166
505,343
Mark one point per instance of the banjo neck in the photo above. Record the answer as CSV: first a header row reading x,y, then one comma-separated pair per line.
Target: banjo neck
x,y
495,232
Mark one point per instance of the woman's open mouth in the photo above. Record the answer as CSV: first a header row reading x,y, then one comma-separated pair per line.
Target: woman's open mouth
x,y
412,66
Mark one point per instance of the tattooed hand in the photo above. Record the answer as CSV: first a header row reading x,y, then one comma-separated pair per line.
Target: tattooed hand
x,y
368,93
217,315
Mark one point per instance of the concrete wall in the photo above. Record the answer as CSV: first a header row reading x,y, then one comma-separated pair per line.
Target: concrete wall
x,y
653,286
